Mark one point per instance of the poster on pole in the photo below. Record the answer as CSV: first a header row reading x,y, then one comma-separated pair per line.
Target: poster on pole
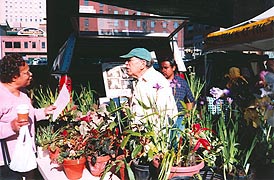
x,y
117,82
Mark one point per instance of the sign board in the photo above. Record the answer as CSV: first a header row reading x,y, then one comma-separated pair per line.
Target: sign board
x,y
117,82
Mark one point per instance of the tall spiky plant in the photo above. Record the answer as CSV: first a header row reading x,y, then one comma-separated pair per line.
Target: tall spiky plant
x,y
196,86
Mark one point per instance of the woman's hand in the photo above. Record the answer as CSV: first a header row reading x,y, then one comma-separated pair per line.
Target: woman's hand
x,y
49,110
16,125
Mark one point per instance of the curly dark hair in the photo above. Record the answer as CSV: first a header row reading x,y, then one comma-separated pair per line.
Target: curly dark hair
x,y
9,67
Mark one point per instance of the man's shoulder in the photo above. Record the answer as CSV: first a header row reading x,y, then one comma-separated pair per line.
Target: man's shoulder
x,y
155,75
179,79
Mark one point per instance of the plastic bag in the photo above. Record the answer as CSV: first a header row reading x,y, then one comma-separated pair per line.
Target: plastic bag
x,y
23,159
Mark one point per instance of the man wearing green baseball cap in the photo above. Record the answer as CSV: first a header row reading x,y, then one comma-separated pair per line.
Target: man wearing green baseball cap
x,y
151,86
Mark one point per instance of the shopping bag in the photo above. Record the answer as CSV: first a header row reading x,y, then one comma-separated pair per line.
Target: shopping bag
x,y
5,171
23,159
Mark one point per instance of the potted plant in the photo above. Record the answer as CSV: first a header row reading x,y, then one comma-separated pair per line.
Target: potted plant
x,y
101,147
45,135
103,138
71,144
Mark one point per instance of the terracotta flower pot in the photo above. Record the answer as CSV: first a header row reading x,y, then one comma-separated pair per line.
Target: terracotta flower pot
x,y
98,168
53,155
186,171
74,168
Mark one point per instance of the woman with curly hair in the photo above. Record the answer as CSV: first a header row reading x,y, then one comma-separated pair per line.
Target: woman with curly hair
x,y
15,75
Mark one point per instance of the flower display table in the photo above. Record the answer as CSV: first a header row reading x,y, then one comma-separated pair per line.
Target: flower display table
x,y
53,171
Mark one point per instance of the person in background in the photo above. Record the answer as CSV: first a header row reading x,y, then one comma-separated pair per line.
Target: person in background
x,y
270,65
237,89
180,88
15,75
151,86
267,79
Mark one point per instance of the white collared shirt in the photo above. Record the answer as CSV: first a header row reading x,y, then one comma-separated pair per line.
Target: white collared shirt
x,y
147,92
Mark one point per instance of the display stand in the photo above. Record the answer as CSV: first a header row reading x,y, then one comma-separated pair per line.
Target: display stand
x,y
53,171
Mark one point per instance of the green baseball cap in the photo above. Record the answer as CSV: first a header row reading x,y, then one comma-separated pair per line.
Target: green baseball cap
x,y
141,53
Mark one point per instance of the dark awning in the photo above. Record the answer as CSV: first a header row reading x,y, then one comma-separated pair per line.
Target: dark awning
x,y
221,13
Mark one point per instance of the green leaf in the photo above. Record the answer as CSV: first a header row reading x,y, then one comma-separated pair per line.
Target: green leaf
x,y
112,125
136,150
129,172
125,141
133,133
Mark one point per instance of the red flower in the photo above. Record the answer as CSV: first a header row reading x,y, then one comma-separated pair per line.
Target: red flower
x,y
65,133
86,118
117,131
95,133
196,128
204,143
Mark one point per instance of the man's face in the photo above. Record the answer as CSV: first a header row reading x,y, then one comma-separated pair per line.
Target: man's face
x,y
167,70
25,76
134,67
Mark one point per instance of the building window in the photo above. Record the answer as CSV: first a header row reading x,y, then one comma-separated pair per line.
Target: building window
x,y
138,23
126,23
86,22
33,44
164,24
175,25
190,28
43,44
26,45
16,44
86,2
152,24
8,44
101,4
116,22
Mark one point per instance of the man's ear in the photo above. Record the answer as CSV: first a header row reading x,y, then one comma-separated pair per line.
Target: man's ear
x,y
15,78
144,64
174,68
